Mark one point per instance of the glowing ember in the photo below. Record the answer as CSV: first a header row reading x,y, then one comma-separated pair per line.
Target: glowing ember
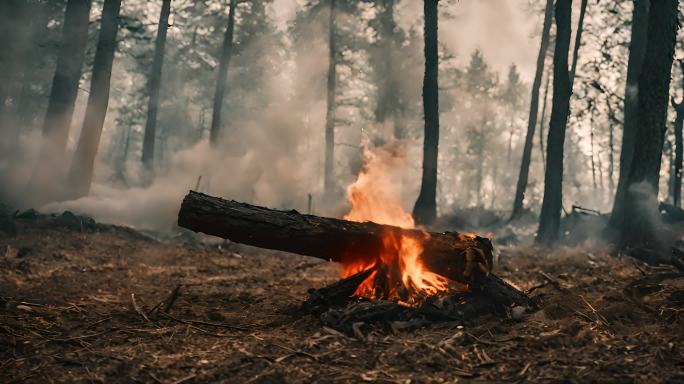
x,y
375,196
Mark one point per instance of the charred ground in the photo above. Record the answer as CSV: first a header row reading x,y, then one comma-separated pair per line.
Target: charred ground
x,y
67,315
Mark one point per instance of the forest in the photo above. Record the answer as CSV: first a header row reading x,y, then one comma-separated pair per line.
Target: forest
x,y
388,191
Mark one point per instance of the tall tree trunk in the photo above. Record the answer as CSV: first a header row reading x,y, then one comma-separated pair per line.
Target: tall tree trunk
x,y
226,54
153,84
329,170
637,50
425,209
62,97
679,122
593,154
636,228
542,121
83,162
611,147
578,41
532,120
549,220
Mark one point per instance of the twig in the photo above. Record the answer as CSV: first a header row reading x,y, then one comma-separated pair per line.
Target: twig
x,y
169,300
184,379
137,309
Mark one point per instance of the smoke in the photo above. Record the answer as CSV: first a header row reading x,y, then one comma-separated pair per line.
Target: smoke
x,y
274,116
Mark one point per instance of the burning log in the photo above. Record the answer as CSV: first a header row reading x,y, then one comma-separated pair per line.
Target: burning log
x,y
459,257
453,255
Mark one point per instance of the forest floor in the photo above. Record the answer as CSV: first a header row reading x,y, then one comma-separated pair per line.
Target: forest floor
x,y
67,315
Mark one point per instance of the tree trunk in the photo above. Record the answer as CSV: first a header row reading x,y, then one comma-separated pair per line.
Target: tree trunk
x,y
611,147
636,228
532,120
578,41
679,122
226,54
637,50
82,165
593,152
62,96
549,220
153,85
329,169
425,209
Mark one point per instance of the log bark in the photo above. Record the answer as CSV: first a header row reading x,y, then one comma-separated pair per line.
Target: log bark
x,y
464,258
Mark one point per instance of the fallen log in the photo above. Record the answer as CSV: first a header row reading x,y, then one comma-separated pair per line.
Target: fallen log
x,y
459,257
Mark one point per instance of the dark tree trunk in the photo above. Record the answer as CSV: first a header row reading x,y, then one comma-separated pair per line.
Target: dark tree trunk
x,y
611,147
654,82
153,85
578,41
62,95
425,210
679,122
637,50
226,54
82,165
329,169
549,220
532,120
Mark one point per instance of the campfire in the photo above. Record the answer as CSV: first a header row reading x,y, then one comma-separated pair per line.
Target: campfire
x,y
398,272
391,270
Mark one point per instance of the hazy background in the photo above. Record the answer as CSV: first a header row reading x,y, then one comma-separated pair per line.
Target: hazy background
x,y
274,112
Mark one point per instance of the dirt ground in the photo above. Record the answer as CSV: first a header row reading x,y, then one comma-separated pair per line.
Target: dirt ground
x,y
76,302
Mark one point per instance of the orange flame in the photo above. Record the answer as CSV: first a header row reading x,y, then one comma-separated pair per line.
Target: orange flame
x,y
376,196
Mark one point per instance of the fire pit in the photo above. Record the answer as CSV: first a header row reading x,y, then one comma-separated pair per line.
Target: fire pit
x,y
391,270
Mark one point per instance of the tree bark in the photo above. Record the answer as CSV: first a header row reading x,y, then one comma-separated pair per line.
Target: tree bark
x,y
532,120
226,54
62,96
329,168
549,220
82,165
153,85
425,209
451,255
678,124
578,41
636,228
637,50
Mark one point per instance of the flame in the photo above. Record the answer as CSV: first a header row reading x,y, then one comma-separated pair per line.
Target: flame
x,y
376,196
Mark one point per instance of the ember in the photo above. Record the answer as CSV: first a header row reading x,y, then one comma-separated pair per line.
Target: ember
x,y
376,196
